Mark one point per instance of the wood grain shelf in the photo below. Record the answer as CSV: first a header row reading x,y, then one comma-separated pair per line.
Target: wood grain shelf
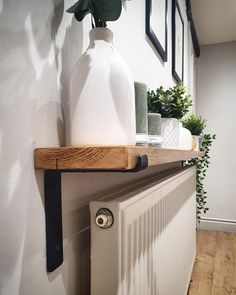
x,y
106,158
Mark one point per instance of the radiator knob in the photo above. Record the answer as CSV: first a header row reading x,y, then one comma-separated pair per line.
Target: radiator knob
x,y
104,218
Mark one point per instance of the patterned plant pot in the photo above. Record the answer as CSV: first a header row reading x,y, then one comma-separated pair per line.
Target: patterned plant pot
x,y
170,133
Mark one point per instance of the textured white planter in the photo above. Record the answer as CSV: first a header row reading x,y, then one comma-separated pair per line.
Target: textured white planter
x,y
102,103
170,133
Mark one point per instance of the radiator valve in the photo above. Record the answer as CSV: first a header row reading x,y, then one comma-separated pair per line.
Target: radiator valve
x,y
104,218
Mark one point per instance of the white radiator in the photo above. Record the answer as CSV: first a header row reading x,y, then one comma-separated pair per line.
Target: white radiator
x,y
150,247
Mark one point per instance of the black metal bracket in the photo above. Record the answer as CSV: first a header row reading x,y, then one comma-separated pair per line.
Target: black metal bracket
x,y
53,209
53,212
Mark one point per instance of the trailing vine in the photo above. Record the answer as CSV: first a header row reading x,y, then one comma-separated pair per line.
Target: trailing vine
x,y
201,167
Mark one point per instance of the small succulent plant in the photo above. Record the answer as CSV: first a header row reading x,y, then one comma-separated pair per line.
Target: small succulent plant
x,y
170,103
194,124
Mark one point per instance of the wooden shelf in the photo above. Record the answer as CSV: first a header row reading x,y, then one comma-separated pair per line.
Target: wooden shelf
x,y
106,158
55,161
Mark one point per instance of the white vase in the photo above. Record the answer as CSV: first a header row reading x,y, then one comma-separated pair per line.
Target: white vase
x,y
102,103
185,138
170,133
196,142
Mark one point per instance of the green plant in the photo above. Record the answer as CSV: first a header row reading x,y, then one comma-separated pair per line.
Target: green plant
x,y
201,167
194,124
170,103
101,11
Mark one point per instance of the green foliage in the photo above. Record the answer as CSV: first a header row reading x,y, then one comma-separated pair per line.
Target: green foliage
x,y
194,124
170,103
201,167
101,10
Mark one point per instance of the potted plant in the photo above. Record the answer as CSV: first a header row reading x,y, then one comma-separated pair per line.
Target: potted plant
x,y
196,125
102,103
172,104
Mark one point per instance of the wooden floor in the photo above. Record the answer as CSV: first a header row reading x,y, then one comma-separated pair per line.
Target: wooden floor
x,y
215,266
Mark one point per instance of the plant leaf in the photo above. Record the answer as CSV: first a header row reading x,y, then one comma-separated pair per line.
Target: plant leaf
x,y
106,10
80,5
81,14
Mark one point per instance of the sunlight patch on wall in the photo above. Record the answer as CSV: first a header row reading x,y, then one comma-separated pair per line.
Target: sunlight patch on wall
x,y
37,61
1,6
11,282
13,179
60,40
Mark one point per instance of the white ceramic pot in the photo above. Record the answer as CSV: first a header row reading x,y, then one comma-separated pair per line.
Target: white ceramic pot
x,y
185,139
102,103
170,133
196,142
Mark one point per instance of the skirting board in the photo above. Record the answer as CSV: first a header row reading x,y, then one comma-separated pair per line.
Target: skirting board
x,y
218,224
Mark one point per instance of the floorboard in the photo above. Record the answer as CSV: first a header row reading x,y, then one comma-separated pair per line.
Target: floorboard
x,y
214,271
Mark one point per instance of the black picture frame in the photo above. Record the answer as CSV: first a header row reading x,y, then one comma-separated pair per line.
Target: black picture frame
x,y
196,45
150,28
177,44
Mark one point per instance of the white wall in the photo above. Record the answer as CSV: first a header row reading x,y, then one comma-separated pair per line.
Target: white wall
x,y
216,101
40,43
